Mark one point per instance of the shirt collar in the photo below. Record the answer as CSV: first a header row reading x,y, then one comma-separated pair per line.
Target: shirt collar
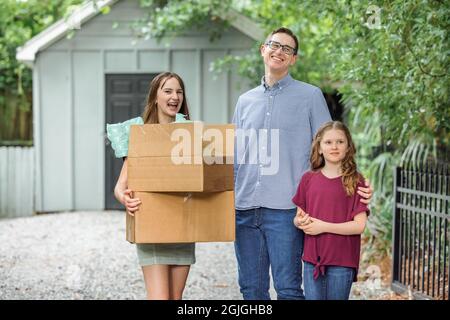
x,y
280,84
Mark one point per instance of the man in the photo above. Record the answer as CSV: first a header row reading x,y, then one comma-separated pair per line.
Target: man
x,y
278,119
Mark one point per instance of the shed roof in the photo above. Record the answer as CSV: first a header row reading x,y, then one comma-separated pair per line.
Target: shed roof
x,y
27,52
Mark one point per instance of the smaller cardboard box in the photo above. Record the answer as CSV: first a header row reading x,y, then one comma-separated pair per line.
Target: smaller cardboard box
x,y
182,217
181,157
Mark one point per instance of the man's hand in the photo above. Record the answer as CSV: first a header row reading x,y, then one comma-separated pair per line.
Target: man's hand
x,y
366,193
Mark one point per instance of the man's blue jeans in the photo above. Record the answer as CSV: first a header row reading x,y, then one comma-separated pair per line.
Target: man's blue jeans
x,y
268,238
334,285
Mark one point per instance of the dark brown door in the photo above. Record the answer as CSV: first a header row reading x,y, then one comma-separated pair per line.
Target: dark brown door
x,y
125,99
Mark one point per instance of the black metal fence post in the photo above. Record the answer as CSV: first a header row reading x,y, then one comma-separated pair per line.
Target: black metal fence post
x,y
396,231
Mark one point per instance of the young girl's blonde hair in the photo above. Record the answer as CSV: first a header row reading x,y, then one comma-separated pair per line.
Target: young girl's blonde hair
x,y
350,175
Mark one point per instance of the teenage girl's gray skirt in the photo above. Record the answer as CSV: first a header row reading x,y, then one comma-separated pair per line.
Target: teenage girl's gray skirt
x,y
166,253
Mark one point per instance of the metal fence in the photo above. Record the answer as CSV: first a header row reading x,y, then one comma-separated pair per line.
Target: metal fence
x,y
420,231
16,181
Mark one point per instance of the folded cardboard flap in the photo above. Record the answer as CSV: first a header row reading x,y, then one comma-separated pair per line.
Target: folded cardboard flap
x,y
183,139
156,140
182,217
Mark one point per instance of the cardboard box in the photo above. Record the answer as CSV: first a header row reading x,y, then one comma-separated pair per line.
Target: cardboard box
x,y
182,217
181,157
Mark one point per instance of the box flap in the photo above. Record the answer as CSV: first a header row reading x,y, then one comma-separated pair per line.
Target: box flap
x,y
181,140
153,140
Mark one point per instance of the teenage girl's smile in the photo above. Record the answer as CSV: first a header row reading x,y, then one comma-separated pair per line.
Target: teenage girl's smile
x,y
173,106
170,98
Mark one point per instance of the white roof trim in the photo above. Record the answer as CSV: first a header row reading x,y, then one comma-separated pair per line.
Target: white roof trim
x,y
27,53
245,25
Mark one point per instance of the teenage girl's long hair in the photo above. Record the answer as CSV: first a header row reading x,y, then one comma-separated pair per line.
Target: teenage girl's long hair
x,y
150,114
350,175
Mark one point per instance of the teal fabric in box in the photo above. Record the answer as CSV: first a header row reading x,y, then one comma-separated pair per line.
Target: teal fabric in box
x,y
179,117
119,133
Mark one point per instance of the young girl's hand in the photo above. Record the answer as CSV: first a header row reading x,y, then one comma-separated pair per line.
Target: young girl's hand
x,y
131,204
315,227
300,212
301,219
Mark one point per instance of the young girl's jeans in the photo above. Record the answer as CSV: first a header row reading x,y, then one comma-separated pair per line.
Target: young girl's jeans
x,y
334,285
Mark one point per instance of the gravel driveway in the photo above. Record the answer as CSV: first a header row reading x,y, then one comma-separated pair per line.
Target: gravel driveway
x,y
84,255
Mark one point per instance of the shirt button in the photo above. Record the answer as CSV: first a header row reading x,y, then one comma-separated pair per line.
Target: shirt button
x,y
268,113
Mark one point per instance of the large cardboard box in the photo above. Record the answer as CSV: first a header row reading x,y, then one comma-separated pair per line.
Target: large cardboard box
x,y
182,217
181,157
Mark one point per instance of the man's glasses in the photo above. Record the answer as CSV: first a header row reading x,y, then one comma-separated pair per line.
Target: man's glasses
x,y
285,48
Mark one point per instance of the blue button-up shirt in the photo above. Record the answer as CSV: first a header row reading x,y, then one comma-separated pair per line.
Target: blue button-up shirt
x,y
269,163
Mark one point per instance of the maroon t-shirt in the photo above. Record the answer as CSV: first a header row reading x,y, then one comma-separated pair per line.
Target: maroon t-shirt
x,y
325,199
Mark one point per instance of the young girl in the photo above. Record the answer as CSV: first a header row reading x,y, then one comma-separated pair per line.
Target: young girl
x,y
331,215
165,266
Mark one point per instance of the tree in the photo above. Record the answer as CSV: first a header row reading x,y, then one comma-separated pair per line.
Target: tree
x,y
19,22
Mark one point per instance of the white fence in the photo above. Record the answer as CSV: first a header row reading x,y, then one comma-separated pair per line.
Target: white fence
x,y
16,181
